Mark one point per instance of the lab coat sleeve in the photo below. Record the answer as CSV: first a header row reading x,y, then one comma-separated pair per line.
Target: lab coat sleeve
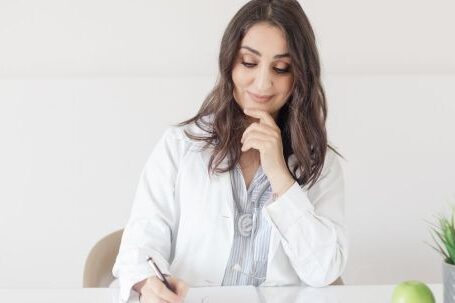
x,y
153,217
311,226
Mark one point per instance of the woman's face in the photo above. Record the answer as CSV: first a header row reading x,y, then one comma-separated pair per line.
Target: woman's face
x,y
261,73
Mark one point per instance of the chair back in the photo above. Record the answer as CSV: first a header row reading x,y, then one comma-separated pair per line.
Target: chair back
x,y
100,260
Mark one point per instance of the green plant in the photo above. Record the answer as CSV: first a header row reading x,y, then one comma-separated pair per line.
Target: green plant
x,y
444,237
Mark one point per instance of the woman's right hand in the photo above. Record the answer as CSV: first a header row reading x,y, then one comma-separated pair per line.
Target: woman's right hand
x,y
152,290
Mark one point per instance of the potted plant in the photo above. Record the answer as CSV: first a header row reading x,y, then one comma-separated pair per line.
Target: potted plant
x,y
443,235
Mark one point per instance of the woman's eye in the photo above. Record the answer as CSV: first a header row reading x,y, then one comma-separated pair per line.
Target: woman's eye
x,y
277,70
281,70
248,64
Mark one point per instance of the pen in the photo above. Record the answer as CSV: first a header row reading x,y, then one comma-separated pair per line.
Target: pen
x,y
158,273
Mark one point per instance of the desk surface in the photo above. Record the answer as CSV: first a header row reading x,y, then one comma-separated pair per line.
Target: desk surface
x,y
332,294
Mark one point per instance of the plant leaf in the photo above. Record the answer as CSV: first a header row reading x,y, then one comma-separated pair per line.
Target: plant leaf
x,y
443,235
438,233
442,251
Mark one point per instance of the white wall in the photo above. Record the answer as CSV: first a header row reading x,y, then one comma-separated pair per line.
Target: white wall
x,y
396,133
135,38
87,87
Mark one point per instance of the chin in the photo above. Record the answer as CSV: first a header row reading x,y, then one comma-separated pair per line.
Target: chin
x,y
263,107
256,106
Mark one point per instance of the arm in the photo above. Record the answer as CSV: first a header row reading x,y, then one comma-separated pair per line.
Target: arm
x,y
311,226
153,216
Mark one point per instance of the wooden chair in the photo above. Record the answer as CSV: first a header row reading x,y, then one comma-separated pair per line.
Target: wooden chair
x,y
100,260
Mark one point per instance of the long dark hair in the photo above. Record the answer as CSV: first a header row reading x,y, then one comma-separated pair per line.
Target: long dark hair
x,y
302,118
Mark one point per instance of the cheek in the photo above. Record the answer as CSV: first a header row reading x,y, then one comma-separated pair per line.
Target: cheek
x,y
240,77
236,79
286,85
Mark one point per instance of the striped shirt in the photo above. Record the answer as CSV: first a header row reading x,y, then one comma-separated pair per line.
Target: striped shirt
x,y
248,260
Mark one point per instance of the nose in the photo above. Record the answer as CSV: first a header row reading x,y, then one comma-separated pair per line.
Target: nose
x,y
263,80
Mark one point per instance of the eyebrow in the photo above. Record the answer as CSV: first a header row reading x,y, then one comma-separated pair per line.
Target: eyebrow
x,y
286,55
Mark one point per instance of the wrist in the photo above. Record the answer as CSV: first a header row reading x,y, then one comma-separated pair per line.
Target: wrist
x,y
281,185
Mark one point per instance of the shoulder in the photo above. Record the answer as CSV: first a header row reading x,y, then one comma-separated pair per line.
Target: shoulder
x,y
331,177
177,134
331,168
332,163
331,158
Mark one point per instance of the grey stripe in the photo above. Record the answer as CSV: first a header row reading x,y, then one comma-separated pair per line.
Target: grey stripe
x,y
249,253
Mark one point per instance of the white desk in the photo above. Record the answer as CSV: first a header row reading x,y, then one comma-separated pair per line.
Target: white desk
x,y
332,294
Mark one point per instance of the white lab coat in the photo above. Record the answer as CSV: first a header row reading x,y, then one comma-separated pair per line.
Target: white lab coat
x,y
184,220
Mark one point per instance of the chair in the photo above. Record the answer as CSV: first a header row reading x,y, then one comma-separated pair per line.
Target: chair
x,y
100,260
338,281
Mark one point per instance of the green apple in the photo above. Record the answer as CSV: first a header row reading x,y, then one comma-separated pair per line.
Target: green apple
x,y
412,292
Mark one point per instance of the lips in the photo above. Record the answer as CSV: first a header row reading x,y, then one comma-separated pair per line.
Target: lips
x,y
259,98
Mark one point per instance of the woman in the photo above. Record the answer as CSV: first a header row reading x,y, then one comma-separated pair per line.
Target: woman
x,y
247,192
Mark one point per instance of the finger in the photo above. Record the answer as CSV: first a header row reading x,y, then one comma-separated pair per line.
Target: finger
x,y
261,128
148,296
263,116
163,292
254,134
253,143
181,288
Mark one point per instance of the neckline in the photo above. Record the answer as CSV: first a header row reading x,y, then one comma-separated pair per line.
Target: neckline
x,y
257,175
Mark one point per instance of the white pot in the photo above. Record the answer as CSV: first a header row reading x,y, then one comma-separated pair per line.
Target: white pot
x,y
448,271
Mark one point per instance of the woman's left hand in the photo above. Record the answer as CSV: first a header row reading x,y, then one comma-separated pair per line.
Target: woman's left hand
x,y
265,136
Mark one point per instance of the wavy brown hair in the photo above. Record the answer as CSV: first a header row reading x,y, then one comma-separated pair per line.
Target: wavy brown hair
x,y
303,116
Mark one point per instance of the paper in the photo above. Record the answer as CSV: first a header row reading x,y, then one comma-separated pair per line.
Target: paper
x,y
224,294
115,292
